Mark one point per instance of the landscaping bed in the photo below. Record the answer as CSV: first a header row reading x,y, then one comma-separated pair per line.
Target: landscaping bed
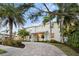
x,y
2,51
13,43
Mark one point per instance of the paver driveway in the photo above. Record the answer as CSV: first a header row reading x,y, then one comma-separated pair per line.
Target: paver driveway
x,y
33,49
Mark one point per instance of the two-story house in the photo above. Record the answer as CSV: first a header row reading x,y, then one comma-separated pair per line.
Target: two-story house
x,y
42,32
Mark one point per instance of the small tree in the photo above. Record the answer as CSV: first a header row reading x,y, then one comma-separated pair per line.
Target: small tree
x,y
23,33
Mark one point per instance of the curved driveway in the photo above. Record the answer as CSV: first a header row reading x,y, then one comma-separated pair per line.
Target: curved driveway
x,y
33,49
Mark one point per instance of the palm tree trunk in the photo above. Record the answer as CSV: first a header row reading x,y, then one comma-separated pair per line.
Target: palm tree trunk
x,y
50,30
10,27
49,21
61,29
61,24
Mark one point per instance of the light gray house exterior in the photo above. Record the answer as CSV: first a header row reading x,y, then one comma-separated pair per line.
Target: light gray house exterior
x,y
42,32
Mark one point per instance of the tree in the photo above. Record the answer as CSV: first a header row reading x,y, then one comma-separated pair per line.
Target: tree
x,y
66,21
23,33
50,17
13,14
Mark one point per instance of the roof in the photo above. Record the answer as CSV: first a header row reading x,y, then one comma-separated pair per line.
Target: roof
x,y
38,33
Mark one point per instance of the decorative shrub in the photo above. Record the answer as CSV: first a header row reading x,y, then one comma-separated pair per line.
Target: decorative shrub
x,y
49,41
53,41
14,43
73,39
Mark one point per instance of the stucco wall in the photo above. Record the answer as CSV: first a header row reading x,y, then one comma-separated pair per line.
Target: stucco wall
x,y
46,28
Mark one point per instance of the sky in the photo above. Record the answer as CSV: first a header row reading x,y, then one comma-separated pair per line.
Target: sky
x,y
52,7
29,23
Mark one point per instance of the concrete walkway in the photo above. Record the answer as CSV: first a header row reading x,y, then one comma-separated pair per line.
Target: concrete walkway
x,y
33,49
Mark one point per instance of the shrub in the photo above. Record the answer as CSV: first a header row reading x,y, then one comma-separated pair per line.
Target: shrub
x,y
73,39
49,41
14,43
53,41
2,51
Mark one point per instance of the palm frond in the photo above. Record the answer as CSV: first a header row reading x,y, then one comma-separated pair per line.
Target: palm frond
x,y
25,7
34,16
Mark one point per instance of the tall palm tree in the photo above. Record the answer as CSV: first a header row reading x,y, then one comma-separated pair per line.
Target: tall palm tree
x,y
66,20
48,18
61,8
13,14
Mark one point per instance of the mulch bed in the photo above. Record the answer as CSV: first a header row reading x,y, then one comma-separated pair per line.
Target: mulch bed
x,y
20,46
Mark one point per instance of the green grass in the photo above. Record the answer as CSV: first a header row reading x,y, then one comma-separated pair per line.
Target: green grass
x,y
66,49
2,51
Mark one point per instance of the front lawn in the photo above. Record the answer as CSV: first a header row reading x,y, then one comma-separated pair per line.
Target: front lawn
x,y
66,49
2,51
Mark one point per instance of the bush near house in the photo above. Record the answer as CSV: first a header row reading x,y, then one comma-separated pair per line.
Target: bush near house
x,y
72,32
49,41
73,39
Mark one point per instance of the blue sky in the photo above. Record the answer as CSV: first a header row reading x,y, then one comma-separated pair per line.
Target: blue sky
x,y
51,6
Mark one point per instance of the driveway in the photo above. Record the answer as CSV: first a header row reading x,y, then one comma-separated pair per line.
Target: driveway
x,y
33,49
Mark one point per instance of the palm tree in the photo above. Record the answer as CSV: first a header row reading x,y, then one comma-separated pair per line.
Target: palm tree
x,y
13,14
48,18
61,8
66,20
